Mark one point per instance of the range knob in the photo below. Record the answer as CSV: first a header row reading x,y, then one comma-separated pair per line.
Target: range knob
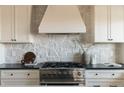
x,y
54,72
59,72
79,73
70,72
48,74
65,73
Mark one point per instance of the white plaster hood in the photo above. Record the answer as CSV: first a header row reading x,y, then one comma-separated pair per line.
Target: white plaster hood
x,y
62,19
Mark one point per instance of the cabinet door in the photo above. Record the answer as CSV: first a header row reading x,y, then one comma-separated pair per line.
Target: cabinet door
x,y
100,23
6,24
109,24
22,23
117,23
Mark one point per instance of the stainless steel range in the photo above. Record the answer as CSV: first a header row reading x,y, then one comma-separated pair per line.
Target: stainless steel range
x,y
62,73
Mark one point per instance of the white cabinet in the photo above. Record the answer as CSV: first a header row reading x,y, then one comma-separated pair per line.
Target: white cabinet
x,y
15,23
6,23
109,23
20,77
22,23
104,78
104,83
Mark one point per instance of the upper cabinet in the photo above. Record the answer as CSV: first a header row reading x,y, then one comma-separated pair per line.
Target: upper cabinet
x,y
15,24
109,24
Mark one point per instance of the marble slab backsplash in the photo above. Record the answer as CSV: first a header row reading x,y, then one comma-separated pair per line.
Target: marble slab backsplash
x,y
65,47
46,48
60,48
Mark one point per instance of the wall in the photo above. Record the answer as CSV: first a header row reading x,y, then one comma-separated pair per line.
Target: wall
x,y
61,47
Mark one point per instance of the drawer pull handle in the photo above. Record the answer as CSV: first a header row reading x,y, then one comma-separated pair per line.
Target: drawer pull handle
x,y
28,74
113,74
110,39
11,74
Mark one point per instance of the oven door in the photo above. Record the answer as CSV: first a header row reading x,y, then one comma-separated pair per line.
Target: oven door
x,y
61,77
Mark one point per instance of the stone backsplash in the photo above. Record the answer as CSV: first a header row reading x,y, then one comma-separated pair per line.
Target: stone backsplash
x,y
61,47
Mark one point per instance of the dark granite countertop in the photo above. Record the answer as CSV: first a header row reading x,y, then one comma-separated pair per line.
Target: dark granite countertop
x,y
17,66
38,66
103,67
20,66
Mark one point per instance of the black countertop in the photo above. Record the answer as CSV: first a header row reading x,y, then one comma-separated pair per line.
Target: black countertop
x,y
89,66
102,67
17,66
20,66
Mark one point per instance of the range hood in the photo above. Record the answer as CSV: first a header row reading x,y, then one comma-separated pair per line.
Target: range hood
x,y
62,19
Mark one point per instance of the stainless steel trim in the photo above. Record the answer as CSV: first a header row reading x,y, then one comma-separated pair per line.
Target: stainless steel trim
x,y
63,68
64,82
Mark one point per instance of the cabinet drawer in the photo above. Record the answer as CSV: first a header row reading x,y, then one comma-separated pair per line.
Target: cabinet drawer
x,y
104,83
12,74
104,74
96,84
19,82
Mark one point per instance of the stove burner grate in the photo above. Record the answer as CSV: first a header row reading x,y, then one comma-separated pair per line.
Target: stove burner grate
x,y
62,65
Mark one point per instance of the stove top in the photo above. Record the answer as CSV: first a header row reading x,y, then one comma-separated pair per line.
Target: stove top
x,y
62,65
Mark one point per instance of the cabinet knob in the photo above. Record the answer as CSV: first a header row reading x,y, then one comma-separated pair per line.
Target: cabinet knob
x,y
113,74
11,74
28,74
11,39
96,74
